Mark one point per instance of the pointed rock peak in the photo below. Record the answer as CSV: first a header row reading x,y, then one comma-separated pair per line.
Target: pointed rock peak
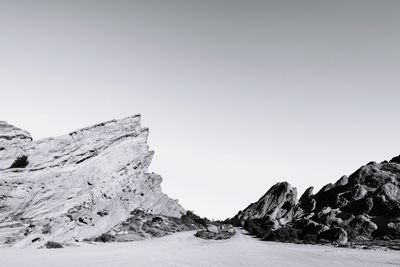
x,y
395,160
281,186
307,194
342,181
325,188
128,124
276,205
279,190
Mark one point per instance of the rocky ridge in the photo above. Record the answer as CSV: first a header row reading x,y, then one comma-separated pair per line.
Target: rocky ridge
x,y
360,208
76,186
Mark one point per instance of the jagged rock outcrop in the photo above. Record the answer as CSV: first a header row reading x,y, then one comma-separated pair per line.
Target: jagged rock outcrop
x,y
276,206
364,206
77,186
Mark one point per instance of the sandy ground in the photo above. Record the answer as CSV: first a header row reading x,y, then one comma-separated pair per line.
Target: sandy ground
x,y
183,249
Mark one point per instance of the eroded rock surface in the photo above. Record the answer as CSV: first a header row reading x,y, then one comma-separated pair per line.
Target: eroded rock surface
x,y
76,186
276,206
362,207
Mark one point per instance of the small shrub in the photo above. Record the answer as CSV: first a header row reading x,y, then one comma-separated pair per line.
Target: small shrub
x,y
310,238
285,234
52,244
46,229
157,220
259,227
102,213
105,238
191,218
20,162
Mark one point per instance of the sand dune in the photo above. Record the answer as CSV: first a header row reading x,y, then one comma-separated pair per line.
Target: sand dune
x,y
183,249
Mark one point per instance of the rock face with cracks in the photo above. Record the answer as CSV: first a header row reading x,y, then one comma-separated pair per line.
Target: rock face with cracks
x,y
77,186
276,206
360,208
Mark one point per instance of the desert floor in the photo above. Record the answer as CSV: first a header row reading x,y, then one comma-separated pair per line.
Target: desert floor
x,y
183,249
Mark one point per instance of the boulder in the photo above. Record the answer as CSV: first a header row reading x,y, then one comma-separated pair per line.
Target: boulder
x,y
395,226
361,225
392,230
387,200
363,205
311,227
306,201
330,218
342,181
324,211
307,195
336,235
396,160
212,228
372,176
226,232
360,192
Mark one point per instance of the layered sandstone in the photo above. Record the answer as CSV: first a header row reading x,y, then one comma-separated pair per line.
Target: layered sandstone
x,y
76,186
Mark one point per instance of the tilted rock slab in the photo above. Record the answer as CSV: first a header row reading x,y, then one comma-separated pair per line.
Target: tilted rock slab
x,y
76,186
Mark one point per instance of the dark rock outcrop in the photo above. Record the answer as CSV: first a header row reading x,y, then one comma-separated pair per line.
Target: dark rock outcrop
x,y
360,208
276,206
216,231
334,234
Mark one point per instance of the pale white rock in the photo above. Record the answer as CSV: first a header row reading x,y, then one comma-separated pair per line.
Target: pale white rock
x,y
13,142
78,185
212,228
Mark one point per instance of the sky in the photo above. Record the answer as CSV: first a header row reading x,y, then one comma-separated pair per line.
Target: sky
x,y
238,95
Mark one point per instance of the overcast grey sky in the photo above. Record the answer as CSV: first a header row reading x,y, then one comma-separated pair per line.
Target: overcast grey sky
x,y
238,95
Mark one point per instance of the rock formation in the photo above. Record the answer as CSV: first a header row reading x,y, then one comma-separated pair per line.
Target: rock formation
x,y
363,206
141,225
77,186
276,206
216,231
